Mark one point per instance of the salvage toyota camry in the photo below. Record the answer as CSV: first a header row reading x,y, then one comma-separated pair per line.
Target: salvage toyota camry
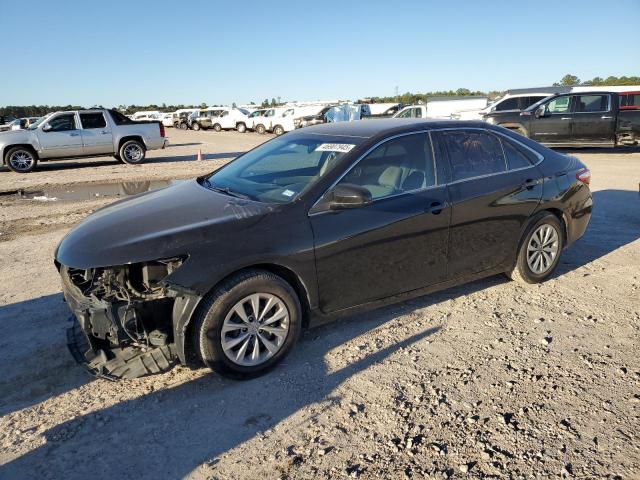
x,y
227,269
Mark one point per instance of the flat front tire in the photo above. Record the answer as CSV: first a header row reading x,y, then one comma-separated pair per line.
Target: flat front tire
x,y
539,251
21,159
132,152
247,324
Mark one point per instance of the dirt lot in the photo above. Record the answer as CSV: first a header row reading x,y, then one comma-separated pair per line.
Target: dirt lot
x,y
492,379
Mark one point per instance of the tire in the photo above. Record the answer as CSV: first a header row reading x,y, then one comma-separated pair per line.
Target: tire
x,y
228,353
278,130
524,270
260,129
195,126
132,152
117,157
217,127
183,126
241,127
21,159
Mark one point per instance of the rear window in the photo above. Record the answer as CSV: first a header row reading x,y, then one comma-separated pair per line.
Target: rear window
x,y
508,104
630,101
516,157
473,154
120,119
92,120
592,103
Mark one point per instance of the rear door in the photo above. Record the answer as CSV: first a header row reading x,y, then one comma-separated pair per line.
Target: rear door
x,y
97,137
394,244
593,119
494,189
554,127
62,139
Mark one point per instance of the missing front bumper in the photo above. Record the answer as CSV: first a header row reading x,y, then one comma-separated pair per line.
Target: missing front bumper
x,y
118,362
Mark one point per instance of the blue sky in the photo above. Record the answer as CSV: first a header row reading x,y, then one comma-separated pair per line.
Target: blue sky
x,y
114,52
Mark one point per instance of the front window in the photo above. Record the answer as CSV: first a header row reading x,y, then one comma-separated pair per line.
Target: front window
x,y
280,170
37,123
397,166
63,123
559,105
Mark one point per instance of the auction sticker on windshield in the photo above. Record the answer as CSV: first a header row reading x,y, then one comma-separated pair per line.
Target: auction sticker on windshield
x,y
334,147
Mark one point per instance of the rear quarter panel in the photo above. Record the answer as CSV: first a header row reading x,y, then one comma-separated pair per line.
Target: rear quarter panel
x,y
628,126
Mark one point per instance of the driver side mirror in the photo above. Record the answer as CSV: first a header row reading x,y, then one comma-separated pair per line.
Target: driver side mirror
x,y
540,111
46,127
349,195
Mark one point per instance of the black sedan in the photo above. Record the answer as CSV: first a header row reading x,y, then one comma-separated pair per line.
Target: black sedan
x,y
228,268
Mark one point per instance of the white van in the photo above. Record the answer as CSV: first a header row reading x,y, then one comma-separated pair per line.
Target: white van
x,y
149,115
231,119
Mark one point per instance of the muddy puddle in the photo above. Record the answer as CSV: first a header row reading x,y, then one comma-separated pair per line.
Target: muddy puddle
x,y
90,191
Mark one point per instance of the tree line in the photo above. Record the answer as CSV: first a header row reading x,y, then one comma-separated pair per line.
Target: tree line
x,y
407,98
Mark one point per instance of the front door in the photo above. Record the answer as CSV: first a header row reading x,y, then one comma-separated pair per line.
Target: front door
x,y
395,244
96,134
593,119
554,126
494,189
62,137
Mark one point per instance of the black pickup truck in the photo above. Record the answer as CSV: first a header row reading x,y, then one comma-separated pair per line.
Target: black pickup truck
x,y
584,119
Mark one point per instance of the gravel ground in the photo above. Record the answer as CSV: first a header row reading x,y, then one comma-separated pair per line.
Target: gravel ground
x,y
490,379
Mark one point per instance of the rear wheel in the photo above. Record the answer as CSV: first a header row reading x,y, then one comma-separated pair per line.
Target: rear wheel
x,y
132,152
21,159
260,129
540,250
247,324
196,126
241,127
278,130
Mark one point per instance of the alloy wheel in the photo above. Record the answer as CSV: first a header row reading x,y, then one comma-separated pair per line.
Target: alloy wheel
x,y
21,160
133,152
542,249
255,329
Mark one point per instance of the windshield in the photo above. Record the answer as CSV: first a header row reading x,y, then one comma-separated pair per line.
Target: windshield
x,y
33,126
281,169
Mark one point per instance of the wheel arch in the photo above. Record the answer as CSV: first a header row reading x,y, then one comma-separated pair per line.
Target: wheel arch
x,y
6,149
130,137
286,273
516,127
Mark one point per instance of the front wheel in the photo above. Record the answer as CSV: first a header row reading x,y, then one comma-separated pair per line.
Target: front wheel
x,y
21,159
217,127
247,324
540,250
196,126
132,152
278,130
241,128
260,129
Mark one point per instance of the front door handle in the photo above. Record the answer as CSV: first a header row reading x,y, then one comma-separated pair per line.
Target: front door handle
x,y
606,117
530,183
74,134
436,207
565,118
104,132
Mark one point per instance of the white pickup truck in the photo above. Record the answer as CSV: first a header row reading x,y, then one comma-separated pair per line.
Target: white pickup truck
x,y
80,133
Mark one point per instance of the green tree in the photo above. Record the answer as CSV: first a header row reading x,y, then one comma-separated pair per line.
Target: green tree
x,y
568,81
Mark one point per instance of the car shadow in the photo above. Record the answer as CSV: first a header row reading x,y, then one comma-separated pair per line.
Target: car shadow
x,y
615,222
194,423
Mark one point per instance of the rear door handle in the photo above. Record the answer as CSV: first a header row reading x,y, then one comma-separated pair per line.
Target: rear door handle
x,y
530,183
436,207
74,134
606,117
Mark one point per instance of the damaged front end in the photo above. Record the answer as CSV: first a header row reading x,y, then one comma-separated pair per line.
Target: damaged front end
x,y
125,325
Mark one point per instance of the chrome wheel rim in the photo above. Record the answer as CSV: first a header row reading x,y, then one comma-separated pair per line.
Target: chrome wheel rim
x,y
255,329
21,160
542,249
133,153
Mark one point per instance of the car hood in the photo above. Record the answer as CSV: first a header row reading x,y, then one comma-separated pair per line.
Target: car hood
x,y
159,224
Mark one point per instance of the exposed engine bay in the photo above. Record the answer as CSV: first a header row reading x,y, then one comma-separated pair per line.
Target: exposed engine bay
x,y
125,313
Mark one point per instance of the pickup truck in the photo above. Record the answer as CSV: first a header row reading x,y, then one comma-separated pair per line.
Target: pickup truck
x,y
579,119
80,133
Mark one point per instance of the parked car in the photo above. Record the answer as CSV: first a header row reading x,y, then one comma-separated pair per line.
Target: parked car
x,y
316,118
167,119
593,119
81,133
443,107
231,119
262,123
251,118
383,109
511,103
5,122
206,118
22,123
154,115
227,269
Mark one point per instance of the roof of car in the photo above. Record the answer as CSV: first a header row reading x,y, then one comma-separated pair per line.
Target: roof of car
x,y
372,127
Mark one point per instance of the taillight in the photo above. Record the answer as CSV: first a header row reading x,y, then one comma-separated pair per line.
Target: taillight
x,y
161,129
584,175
